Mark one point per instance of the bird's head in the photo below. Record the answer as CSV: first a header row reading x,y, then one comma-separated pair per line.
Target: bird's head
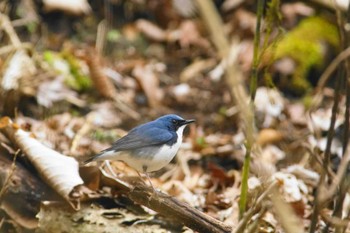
x,y
174,122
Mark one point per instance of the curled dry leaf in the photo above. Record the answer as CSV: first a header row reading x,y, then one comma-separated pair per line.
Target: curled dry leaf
x,y
59,171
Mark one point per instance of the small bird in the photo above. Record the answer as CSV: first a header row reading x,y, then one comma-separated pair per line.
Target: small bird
x,y
148,147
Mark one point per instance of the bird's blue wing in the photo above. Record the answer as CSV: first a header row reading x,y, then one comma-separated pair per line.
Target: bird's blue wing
x,y
143,136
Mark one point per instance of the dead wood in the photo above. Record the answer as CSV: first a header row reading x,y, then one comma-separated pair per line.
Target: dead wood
x,y
169,207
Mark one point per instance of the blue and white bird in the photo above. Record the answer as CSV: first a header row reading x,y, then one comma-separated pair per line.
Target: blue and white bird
x,y
148,147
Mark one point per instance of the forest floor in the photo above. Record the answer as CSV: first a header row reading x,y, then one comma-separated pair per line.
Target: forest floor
x,y
75,78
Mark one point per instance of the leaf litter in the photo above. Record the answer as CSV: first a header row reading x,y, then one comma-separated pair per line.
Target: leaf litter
x,y
161,64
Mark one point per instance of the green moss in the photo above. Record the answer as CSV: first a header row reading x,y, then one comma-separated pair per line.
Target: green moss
x,y
66,64
77,79
304,45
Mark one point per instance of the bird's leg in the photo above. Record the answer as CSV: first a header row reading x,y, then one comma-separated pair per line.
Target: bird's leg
x,y
109,167
149,179
150,182
141,178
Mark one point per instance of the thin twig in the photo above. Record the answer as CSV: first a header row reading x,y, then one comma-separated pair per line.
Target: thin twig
x,y
344,185
327,192
9,176
247,216
317,205
11,48
254,226
84,129
331,68
254,76
5,24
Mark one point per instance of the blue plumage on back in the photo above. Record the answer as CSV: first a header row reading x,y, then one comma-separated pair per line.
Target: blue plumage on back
x,y
150,134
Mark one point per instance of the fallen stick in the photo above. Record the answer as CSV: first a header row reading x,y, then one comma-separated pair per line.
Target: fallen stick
x,y
169,206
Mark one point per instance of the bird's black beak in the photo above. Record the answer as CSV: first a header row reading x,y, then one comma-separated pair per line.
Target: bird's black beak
x,y
186,122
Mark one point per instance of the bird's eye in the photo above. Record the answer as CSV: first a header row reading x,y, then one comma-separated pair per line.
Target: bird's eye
x,y
174,122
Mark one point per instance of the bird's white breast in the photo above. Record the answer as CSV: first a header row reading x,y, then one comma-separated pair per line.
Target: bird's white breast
x,y
165,154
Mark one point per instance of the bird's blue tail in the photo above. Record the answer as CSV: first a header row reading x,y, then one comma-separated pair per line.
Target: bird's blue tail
x,y
89,160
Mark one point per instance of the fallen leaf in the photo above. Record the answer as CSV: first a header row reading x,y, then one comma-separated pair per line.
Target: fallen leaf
x,y
53,91
59,171
270,103
151,30
74,7
189,35
20,65
269,136
272,154
291,188
196,68
149,81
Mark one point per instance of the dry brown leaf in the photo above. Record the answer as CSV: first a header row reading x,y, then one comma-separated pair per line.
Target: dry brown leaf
x,y
269,136
245,20
151,30
189,35
196,68
292,11
229,5
272,154
296,113
149,81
